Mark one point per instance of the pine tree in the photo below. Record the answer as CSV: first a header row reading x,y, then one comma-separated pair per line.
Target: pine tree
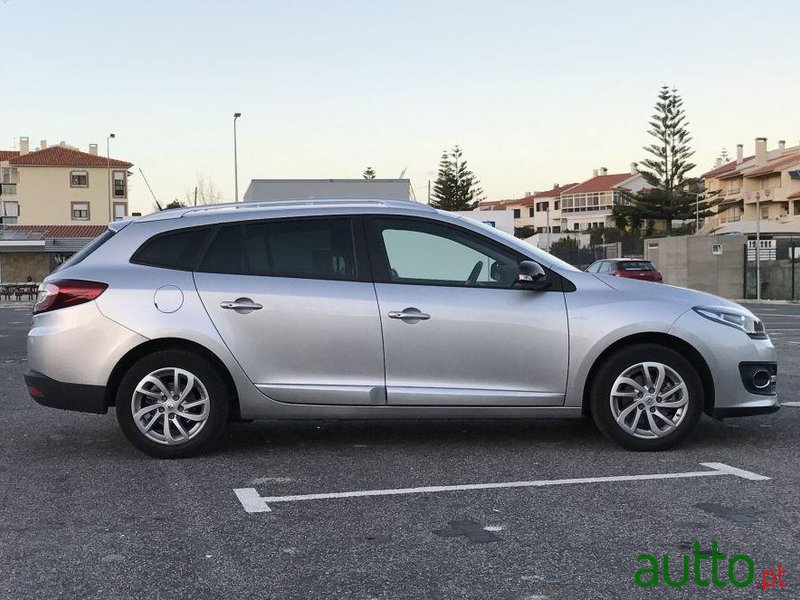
x,y
724,156
672,194
456,187
369,173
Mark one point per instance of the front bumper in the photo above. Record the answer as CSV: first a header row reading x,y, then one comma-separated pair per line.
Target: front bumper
x,y
725,349
66,396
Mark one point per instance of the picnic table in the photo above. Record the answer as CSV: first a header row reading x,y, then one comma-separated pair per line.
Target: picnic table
x,y
18,291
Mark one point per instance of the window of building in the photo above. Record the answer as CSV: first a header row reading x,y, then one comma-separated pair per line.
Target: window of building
x,y
80,211
119,182
555,205
517,214
120,210
556,229
303,248
575,227
10,212
9,175
79,179
531,211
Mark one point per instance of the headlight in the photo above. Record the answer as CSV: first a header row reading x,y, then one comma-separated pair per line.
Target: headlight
x,y
732,317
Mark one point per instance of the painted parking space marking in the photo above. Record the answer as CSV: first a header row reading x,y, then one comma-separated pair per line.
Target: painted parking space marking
x,y
252,502
791,404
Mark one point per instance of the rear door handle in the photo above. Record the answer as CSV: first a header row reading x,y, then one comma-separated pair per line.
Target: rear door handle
x,y
241,305
409,314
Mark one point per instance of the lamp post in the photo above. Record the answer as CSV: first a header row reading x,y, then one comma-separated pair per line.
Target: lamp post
x,y
758,246
547,211
235,157
110,137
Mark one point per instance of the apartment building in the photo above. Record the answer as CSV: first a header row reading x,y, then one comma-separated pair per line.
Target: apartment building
x,y
575,206
589,204
767,179
61,185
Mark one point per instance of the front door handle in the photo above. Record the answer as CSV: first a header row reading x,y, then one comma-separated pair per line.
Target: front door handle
x,y
409,314
241,305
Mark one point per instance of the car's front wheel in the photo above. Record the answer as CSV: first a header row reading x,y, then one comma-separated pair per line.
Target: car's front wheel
x,y
646,397
172,404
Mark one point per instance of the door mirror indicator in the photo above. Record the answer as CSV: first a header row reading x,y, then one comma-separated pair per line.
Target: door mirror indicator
x,y
531,276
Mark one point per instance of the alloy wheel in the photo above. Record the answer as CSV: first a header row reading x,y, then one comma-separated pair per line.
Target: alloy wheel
x,y
649,400
170,406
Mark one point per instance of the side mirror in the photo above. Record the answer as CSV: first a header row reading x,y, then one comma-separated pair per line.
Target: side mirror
x,y
531,276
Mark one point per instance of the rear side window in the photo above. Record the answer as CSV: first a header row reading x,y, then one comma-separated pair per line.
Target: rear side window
x,y
637,265
305,248
174,250
87,250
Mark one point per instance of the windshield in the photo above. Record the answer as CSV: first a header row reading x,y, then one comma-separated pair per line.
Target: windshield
x,y
86,250
538,254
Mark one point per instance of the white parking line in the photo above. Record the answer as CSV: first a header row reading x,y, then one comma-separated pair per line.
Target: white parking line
x,y
791,404
253,503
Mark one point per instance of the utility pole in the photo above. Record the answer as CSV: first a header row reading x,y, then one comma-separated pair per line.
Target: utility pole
x,y
758,245
235,157
110,137
547,211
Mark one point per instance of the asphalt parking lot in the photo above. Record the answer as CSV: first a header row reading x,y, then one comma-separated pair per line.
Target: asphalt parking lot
x,y
85,515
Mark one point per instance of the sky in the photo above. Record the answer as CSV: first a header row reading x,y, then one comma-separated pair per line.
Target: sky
x,y
535,92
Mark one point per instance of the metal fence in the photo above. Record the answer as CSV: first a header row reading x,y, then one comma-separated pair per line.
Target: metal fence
x,y
583,257
779,271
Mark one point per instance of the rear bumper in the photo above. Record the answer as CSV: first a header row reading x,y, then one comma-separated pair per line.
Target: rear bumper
x,y
66,396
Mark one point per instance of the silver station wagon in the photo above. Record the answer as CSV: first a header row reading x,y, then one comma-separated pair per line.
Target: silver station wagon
x,y
185,319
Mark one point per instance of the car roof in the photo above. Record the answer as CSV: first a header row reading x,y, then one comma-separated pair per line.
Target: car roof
x,y
275,208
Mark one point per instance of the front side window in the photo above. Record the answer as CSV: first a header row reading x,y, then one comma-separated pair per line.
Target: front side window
x,y
418,252
80,211
79,179
303,248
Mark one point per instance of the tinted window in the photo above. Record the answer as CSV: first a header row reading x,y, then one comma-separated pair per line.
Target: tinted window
x,y
176,250
637,265
427,253
308,248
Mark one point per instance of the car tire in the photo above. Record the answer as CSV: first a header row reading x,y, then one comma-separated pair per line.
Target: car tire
x,y
646,397
172,404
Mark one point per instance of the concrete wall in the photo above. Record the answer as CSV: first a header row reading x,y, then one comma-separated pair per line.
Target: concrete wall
x,y
18,266
44,195
690,261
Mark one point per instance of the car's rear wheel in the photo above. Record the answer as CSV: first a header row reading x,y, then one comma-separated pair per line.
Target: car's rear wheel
x,y
172,404
646,397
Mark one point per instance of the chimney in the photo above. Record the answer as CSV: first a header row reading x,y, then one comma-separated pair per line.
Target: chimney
x,y
634,168
594,172
739,153
603,171
781,145
42,144
93,149
62,143
761,150
24,145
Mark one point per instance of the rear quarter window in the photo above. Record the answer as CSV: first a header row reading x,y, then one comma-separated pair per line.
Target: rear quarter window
x,y
173,250
86,250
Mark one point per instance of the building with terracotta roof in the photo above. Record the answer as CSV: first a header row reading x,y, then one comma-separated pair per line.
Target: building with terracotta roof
x,y
61,185
769,180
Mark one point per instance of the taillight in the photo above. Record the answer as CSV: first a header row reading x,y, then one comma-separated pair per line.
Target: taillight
x,y
67,292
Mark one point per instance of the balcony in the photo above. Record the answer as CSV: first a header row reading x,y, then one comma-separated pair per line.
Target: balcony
x,y
8,189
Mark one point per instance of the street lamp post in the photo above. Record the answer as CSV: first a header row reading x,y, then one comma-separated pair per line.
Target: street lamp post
x,y
547,211
235,157
758,246
110,137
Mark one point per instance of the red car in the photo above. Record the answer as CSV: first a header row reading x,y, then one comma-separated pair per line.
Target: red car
x,y
631,268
